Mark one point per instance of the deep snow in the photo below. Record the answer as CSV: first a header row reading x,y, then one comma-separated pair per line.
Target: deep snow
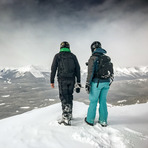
x,y
39,128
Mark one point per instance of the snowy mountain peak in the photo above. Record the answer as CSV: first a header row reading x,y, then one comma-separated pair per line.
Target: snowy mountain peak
x,y
26,68
132,71
34,70
30,68
127,73
143,69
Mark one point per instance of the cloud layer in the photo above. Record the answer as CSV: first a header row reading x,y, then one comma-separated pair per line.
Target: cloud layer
x,y
31,30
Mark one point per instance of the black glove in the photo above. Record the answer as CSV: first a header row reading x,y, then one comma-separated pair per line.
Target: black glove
x,y
78,87
87,88
111,80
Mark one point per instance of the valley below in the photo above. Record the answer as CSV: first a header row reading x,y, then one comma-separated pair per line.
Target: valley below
x,y
24,91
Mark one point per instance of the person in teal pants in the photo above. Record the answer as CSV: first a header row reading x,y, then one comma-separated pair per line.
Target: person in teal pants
x,y
97,87
98,93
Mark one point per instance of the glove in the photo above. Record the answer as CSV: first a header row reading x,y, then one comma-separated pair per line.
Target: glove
x,y
111,80
78,87
87,88
86,63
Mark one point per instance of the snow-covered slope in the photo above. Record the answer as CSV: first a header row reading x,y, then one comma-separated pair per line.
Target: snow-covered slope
x,y
39,128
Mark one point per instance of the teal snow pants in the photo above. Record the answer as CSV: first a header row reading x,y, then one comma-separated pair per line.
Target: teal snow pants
x,y
98,93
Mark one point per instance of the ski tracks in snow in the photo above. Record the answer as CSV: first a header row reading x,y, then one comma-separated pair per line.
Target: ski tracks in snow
x,y
97,136
109,137
100,137
135,137
136,134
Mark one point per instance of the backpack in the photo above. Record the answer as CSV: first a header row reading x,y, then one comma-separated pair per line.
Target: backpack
x,y
104,67
66,66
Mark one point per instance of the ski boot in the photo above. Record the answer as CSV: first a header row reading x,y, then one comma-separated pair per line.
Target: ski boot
x,y
66,121
88,122
103,124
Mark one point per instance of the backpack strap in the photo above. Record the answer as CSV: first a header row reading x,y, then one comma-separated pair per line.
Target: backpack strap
x,y
100,63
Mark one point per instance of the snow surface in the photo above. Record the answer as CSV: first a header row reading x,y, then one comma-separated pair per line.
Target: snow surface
x,y
51,99
25,107
121,101
39,129
2,104
5,96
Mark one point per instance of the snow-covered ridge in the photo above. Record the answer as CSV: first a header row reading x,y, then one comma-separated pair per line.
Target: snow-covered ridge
x,y
40,128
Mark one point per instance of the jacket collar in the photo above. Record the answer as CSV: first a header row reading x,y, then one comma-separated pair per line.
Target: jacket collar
x,y
64,50
100,51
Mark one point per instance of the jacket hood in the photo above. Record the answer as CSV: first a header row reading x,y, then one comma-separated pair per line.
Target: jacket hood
x,y
100,50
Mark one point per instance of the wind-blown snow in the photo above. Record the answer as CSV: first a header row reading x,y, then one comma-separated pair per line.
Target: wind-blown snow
x,y
39,128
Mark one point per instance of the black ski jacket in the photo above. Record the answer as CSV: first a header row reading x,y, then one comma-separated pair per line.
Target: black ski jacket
x,y
55,67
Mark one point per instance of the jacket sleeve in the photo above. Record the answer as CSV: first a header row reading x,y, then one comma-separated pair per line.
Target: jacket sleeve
x,y
54,68
78,74
91,68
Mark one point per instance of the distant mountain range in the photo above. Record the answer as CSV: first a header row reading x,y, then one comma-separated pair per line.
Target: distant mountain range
x,y
33,72
130,73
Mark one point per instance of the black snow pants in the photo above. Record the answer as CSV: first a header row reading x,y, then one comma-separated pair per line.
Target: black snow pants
x,y
66,88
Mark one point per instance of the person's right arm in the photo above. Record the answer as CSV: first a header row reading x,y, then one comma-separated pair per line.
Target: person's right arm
x,y
53,70
90,71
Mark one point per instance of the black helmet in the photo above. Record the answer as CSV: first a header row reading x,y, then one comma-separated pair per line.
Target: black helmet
x,y
64,45
95,45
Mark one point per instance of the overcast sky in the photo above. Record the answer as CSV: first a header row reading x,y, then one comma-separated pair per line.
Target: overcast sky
x,y
31,30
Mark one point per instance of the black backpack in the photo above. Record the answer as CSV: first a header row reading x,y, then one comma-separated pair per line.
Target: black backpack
x,y
66,66
104,67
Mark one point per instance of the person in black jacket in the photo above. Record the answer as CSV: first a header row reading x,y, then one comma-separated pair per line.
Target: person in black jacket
x,y
68,73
